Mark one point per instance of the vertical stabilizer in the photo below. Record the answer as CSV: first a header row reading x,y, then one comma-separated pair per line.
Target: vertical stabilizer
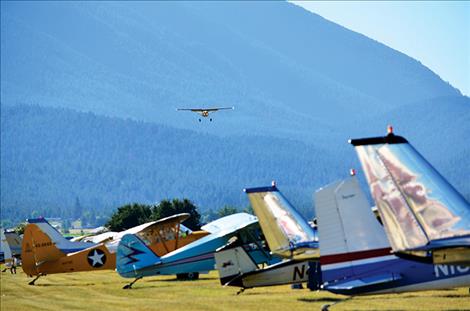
x,y
417,205
133,255
233,262
6,250
288,234
347,229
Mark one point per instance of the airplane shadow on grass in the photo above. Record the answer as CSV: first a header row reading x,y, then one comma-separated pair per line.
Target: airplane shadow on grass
x,y
321,299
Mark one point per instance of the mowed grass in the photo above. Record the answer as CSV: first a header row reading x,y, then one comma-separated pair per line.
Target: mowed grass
x,y
103,291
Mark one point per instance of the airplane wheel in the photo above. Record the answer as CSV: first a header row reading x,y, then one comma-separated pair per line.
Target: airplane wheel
x,y
127,286
182,276
325,307
193,276
187,276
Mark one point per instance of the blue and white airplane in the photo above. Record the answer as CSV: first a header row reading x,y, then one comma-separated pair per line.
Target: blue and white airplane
x,y
355,256
136,260
425,218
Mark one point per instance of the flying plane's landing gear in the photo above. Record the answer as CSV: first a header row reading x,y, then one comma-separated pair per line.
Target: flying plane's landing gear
x,y
241,290
199,120
32,282
210,119
129,286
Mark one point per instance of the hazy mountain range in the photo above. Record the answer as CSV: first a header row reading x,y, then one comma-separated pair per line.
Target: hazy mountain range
x,y
301,86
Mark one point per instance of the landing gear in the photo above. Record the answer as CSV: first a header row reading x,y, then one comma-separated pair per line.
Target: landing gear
x,y
199,120
326,307
129,286
191,276
241,290
210,119
32,282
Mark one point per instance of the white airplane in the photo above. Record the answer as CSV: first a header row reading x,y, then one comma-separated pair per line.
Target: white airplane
x,y
355,256
204,112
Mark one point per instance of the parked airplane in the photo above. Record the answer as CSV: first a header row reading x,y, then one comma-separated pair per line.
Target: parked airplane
x,y
136,260
356,257
425,218
288,235
14,242
46,251
204,112
6,253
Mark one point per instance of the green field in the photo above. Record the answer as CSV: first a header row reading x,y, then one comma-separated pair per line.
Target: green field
x,y
102,291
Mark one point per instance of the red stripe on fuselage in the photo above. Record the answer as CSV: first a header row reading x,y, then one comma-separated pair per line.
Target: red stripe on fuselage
x,y
344,257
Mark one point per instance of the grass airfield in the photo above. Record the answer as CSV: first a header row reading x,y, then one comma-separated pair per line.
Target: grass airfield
x,y
103,291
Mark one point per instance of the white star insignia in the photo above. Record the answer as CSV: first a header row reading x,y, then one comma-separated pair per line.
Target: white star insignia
x,y
96,258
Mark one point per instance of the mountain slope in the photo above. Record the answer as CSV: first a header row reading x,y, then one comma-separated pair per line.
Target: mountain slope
x,y
290,73
50,157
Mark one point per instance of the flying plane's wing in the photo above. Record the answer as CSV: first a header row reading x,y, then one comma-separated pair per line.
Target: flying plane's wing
x,y
419,208
205,109
286,231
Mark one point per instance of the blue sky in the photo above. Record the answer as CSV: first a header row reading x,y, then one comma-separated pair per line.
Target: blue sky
x,y
435,33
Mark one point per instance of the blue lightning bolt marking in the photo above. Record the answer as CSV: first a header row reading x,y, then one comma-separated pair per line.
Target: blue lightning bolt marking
x,y
133,252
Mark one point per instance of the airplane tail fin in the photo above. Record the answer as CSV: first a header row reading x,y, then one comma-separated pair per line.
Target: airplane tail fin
x,y
133,256
416,204
7,255
348,231
286,231
232,261
42,242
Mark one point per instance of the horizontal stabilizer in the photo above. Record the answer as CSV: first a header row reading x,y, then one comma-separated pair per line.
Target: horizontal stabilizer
x,y
133,255
360,285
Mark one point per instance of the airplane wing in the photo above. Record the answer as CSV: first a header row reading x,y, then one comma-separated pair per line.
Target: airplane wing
x,y
286,231
220,108
205,109
367,283
150,227
419,208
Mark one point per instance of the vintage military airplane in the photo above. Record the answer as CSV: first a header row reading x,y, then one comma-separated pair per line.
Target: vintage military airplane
x,y
355,256
288,235
46,251
425,218
204,112
136,260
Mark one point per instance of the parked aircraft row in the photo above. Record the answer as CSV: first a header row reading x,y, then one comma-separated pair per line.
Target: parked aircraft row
x,y
424,242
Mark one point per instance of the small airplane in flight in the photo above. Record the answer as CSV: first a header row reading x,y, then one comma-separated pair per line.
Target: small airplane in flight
x,y
46,251
204,112
355,256
136,260
425,218
289,236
